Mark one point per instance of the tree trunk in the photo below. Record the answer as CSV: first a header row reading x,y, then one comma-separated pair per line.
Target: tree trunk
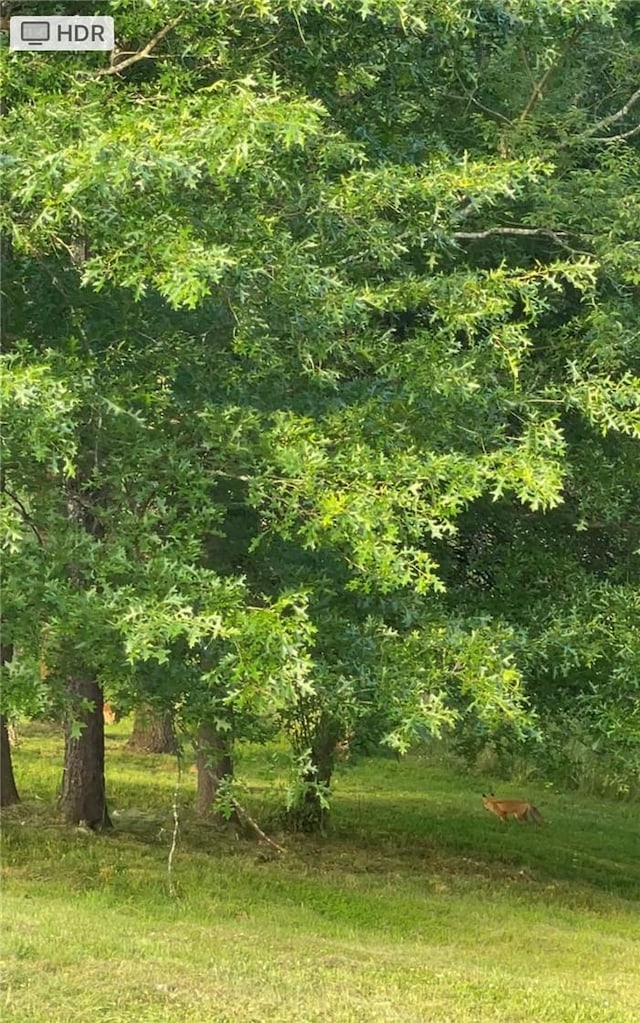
x,y
214,764
8,789
83,797
152,732
309,814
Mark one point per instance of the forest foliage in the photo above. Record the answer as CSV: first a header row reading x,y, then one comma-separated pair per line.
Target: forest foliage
x,y
321,373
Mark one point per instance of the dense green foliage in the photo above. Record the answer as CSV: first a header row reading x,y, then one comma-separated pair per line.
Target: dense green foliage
x,y
321,387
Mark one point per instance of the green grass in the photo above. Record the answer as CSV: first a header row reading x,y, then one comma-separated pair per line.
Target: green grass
x,y
417,906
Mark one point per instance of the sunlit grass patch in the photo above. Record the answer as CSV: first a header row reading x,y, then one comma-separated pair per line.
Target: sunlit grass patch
x,y
415,906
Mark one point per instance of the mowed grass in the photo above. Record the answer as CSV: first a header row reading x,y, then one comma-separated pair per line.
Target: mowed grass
x,y
416,906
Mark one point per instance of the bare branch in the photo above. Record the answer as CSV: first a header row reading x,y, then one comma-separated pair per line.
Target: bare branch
x,y
612,118
470,97
25,515
487,110
232,475
539,87
525,61
242,813
618,138
176,828
144,52
559,237
530,232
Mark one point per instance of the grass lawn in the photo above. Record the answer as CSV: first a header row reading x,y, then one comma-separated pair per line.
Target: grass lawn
x,y
417,906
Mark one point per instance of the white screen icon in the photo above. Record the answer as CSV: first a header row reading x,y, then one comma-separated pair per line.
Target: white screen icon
x,y
34,32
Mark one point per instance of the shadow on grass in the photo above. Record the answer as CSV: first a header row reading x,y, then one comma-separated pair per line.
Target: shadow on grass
x,y
458,832
402,819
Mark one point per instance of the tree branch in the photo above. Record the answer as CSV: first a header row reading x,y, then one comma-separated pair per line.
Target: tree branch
x,y
243,815
618,138
142,53
612,118
470,97
517,232
539,86
25,515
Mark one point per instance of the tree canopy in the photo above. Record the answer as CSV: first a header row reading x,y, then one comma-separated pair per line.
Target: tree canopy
x,y
321,394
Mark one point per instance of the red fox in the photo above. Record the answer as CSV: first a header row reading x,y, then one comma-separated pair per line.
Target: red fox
x,y
518,808
110,714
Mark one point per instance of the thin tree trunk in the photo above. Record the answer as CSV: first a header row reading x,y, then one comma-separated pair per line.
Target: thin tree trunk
x,y
8,789
152,731
83,794
214,765
83,797
309,814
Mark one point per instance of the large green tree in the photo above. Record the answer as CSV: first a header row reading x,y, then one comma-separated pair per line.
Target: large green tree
x,y
322,364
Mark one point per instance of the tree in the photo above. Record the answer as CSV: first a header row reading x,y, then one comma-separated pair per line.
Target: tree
x,y
380,315
214,765
152,731
8,788
83,793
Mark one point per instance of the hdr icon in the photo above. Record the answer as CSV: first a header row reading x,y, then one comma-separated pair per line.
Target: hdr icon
x,y
61,33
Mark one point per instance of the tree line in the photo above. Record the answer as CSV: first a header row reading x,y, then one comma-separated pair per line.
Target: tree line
x,y
320,386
